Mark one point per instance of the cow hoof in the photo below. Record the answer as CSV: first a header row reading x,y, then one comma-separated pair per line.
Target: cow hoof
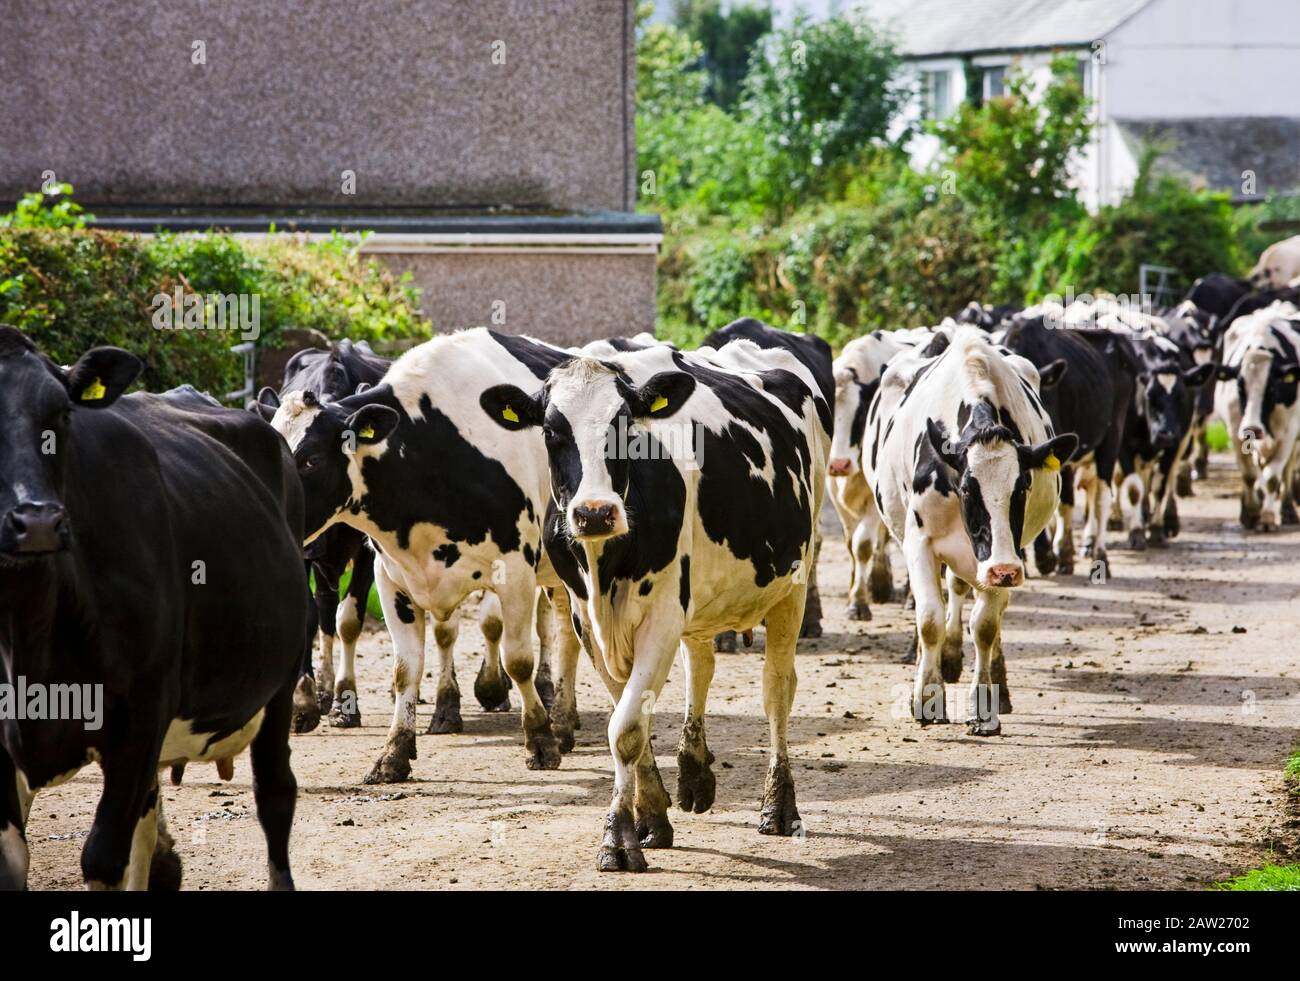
x,y
932,711
563,738
325,701
1289,516
1065,565
1249,518
696,784
880,587
858,611
395,765
621,858
654,830
492,692
446,717
543,749
306,712
984,727
279,880
1137,541
725,642
1172,526
1156,536
1046,562
811,629
1183,486
165,872
345,714
779,816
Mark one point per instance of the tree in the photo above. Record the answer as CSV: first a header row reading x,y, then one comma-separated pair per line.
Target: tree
x,y
668,76
728,39
818,94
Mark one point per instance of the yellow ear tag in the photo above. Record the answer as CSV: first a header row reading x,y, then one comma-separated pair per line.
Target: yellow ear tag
x,y
659,403
93,392
367,433
509,414
1052,463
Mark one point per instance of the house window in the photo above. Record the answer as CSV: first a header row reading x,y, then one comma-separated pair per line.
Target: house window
x,y
936,91
1084,74
995,81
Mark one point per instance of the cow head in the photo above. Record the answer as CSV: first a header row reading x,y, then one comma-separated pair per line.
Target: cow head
x,y
329,441
38,399
852,399
585,409
994,473
1165,399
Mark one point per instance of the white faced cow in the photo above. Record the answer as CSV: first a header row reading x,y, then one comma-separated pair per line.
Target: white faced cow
x,y
685,491
453,505
1256,398
965,469
857,376
1278,265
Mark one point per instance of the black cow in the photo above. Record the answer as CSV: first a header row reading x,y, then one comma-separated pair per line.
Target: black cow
x,y
988,317
331,374
1090,399
1216,293
1258,301
1158,432
149,549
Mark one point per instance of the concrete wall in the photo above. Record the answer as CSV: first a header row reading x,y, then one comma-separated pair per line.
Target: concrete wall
x,y
404,93
566,299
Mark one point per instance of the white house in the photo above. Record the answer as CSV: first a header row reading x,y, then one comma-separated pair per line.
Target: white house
x,y
1217,82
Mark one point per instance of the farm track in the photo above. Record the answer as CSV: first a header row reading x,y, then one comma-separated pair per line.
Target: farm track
x,y
1145,751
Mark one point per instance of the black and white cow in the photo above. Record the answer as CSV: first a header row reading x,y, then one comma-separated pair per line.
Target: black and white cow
x,y
1216,293
685,492
857,373
132,532
1091,400
1158,433
454,505
1256,398
965,468
1199,336
329,374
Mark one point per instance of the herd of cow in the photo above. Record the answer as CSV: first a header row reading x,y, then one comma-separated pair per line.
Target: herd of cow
x,y
628,498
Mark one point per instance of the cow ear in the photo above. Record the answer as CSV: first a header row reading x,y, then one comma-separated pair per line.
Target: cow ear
x,y
1051,374
942,445
361,387
1200,374
660,397
1227,372
1049,453
371,424
101,375
511,407
267,402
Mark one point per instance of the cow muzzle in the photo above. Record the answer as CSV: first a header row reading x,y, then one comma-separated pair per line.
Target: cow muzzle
x,y
1004,576
841,466
596,519
34,528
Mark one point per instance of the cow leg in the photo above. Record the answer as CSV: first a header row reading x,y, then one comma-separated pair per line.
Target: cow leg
x,y
950,659
696,784
986,625
650,803
880,581
860,553
564,710
165,871
1250,503
1063,544
780,815
130,779
306,701
629,739
923,572
812,611
14,805
545,650
346,713
1132,494
491,684
143,843
275,791
517,608
394,763
1044,557
446,710
327,608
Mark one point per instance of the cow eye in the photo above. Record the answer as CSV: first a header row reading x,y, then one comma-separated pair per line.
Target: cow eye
x,y
311,463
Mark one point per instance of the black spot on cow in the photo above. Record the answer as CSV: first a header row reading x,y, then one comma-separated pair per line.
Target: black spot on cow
x,y
685,594
404,611
448,553
477,574
646,586
529,556
537,358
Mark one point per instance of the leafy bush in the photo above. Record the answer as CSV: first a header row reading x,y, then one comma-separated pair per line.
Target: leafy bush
x,y
72,289
47,208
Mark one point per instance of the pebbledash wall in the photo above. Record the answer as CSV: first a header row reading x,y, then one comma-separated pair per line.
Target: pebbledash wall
x,y
488,146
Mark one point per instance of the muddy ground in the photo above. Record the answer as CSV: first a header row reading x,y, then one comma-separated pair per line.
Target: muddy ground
x,y
1152,717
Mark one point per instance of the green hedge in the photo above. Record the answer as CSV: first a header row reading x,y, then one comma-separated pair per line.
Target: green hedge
x,y
73,288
